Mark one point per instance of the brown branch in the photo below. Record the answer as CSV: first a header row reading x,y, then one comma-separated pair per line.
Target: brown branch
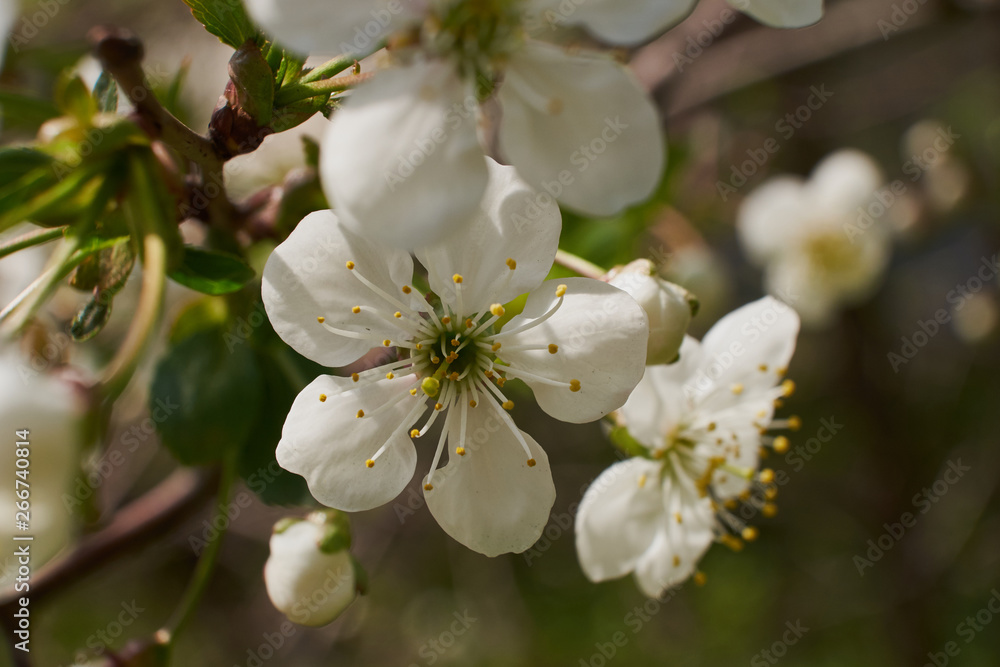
x,y
143,520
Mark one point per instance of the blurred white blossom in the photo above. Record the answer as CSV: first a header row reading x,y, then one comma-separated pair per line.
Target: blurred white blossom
x,y
823,243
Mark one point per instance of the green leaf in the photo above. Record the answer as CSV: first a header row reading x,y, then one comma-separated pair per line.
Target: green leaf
x,y
16,162
21,111
258,466
254,83
212,272
73,97
208,395
106,93
226,19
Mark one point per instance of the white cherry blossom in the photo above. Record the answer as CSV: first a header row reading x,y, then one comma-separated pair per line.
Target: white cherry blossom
x,y
699,426
819,246
403,155
579,344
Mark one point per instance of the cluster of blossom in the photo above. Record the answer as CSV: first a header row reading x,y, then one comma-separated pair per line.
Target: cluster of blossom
x,y
404,165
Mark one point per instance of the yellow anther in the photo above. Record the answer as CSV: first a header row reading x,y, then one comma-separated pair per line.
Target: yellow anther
x,y
749,534
711,426
469,323
445,320
497,310
778,402
737,389
511,263
453,376
455,341
507,405
782,371
451,357
495,347
431,386
731,504
762,368
501,381
488,374
415,433
457,279
555,106
428,487
390,375
321,319
355,377
642,480
561,291
700,578
361,413
769,510
733,542
322,398
677,561
678,518
356,310
419,346
780,444
413,392
787,388
350,267
370,463
553,348
574,385
460,451
794,423
473,404
407,289
397,315
435,359
387,342
531,463
438,406
771,492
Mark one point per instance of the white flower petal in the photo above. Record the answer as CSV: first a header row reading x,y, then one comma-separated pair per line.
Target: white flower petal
x,y
773,218
581,128
601,335
782,13
348,27
678,547
307,277
815,297
513,222
744,353
401,160
325,441
620,22
659,403
618,518
310,587
490,499
842,182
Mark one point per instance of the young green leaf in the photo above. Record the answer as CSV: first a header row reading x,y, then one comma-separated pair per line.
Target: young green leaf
x,y
212,272
226,19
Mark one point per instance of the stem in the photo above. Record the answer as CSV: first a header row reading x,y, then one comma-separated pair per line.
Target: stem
x,y
30,239
579,265
329,69
206,564
34,295
302,91
123,365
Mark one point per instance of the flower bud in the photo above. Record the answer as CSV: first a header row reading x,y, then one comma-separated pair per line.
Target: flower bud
x,y
310,575
668,306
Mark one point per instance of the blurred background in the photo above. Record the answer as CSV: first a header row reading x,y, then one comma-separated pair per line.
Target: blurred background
x,y
898,74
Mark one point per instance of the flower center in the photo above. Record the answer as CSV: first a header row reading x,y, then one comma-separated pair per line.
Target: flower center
x,y
478,34
832,253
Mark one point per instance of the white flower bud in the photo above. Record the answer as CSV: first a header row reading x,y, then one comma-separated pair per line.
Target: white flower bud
x,y
310,575
668,306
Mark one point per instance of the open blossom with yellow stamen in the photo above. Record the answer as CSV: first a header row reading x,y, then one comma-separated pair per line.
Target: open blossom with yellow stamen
x,y
700,424
579,344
